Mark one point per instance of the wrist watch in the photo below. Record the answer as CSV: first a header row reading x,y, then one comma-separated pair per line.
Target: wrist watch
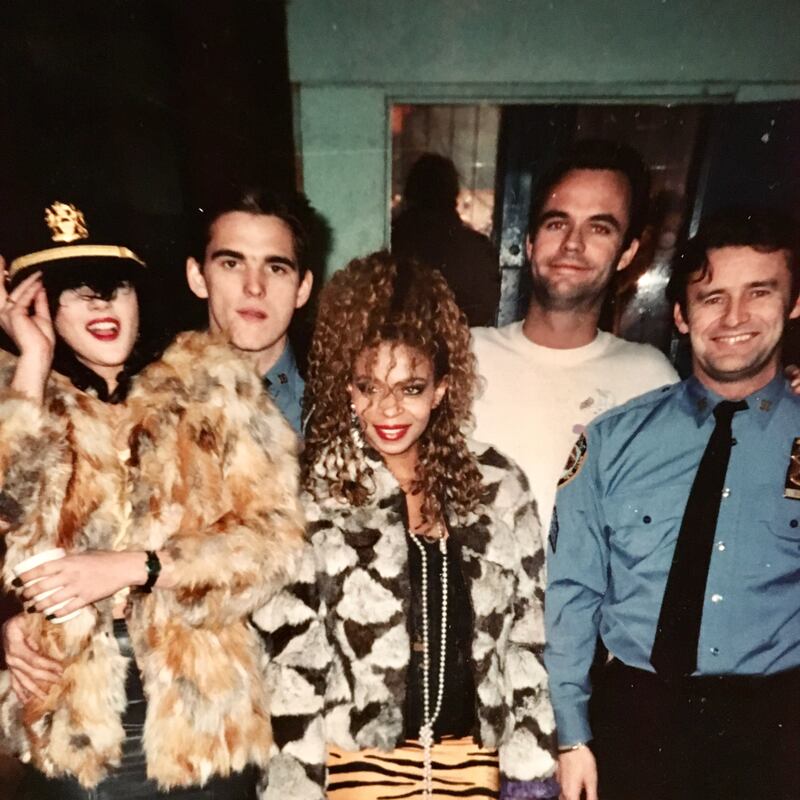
x,y
153,565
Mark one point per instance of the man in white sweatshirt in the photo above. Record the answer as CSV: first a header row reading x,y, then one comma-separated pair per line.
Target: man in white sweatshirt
x,y
549,375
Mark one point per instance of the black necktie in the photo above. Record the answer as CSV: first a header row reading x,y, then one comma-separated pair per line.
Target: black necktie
x,y
678,632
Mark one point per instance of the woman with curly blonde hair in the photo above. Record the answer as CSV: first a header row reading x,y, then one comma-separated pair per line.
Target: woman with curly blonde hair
x,y
427,554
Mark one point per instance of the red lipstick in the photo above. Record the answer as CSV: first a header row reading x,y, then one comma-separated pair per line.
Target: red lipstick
x,y
391,433
104,329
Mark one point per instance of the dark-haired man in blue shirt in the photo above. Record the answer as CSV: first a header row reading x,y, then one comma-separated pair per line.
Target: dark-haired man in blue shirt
x,y
677,540
249,262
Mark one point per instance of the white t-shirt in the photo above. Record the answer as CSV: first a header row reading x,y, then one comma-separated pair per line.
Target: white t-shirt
x,y
537,400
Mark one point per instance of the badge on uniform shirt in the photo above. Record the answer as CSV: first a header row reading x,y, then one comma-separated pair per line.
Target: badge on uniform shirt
x,y
575,461
791,488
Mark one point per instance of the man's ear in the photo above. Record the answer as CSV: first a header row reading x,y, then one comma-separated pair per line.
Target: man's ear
x,y
304,289
628,255
528,247
680,322
794,312
196,279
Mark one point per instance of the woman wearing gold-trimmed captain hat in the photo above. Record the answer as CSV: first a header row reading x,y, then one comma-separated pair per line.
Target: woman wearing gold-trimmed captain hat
x,y
172,496
67,259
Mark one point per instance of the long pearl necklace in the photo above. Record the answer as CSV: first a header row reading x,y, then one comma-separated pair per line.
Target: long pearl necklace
x,y
428,719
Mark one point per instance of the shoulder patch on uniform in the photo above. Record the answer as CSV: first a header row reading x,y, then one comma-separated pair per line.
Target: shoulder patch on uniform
x,y
575,461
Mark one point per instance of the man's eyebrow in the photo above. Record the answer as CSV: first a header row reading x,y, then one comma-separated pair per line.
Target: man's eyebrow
x,y
772,283
227,254
765,284
285,260
553,213
609,219
271,259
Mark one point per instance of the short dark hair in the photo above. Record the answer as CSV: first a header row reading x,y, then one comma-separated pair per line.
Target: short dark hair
x,y
763,230
598,154
289,206
432,183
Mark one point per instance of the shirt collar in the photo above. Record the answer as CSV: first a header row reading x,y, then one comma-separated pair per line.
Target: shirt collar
x,y
283,370
699,400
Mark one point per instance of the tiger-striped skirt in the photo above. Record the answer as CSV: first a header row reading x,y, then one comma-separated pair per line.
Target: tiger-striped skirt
x,y
460,769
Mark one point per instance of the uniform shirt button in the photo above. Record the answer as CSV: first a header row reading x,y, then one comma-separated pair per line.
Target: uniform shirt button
x,y
716,598
721,546
726,492
793,523
647,519
715,651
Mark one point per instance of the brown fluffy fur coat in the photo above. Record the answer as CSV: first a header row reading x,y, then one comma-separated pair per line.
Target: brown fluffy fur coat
x,y
211,477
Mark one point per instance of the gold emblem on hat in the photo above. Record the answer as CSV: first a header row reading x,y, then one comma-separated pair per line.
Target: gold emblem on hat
x,y
66,222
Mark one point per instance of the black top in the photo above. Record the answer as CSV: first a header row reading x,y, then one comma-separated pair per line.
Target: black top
x,y
457,717
466,258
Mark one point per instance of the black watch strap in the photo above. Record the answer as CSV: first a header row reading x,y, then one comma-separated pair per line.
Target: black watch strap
x,y
153,565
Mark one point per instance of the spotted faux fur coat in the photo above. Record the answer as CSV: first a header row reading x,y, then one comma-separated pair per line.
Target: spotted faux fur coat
x,y
208,466
362,600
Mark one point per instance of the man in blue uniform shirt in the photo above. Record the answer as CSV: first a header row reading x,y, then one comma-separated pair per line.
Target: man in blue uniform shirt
x,y
677,540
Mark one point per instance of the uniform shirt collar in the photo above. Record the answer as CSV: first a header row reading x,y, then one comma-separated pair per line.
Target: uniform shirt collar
x,y
699,400
283,370
285,385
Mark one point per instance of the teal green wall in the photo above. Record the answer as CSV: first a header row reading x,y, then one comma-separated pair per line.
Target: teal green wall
x,y
343,151
349,59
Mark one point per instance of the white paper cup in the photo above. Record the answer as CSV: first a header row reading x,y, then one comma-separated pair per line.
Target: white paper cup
x,y
38,560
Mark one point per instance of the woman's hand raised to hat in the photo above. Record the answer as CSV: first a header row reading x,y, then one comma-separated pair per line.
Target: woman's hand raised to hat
x,y
25,317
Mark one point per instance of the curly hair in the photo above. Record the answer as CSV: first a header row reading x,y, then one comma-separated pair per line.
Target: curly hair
x,y
376,299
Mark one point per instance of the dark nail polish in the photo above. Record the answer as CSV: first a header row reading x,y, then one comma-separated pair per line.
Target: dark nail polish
x,y
16,582
50,616
31,609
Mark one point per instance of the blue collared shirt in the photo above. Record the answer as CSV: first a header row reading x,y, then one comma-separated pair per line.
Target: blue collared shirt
x,y
618,520
285,386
